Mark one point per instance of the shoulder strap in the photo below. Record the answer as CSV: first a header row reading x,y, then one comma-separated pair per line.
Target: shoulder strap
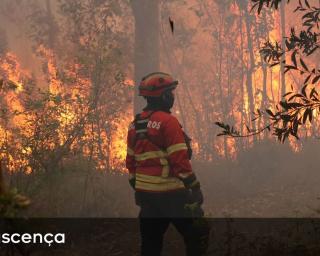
x,y
141,128
140,125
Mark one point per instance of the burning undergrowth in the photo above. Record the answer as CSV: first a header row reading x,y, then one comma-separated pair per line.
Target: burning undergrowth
x,y
42,127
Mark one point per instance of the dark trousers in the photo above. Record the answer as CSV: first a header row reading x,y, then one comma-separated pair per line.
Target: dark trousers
x,y
156,214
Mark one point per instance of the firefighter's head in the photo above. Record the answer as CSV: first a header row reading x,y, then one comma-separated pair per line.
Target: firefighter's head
x,y
158,89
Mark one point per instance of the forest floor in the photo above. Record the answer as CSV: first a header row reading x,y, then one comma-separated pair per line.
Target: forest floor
x,y
267,182
285,202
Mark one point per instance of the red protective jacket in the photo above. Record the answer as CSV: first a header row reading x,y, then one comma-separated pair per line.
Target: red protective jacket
x,y
160,161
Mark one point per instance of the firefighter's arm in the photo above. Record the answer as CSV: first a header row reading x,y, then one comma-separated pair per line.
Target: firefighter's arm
x,y
130,160
178,154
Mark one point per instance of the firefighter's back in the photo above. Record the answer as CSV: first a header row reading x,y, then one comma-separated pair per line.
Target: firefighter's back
x,y
151,136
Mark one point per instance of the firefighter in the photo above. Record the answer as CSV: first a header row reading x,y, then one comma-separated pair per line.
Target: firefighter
x,y
158,160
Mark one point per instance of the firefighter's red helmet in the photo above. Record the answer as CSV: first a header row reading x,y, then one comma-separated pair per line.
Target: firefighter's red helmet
x,y
155,84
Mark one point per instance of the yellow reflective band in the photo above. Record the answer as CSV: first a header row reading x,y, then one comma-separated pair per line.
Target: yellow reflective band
x,y
156,183
165,168
164,161
157,187
165,171
176,147
130,152
157,179
149,155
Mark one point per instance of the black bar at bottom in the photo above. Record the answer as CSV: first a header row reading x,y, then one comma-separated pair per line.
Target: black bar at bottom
x,y
102,236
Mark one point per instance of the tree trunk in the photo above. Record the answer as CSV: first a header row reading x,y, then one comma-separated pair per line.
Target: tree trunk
x,y
264,67
251,65
51,25
177,68
146,47
283,46
223,104
243,116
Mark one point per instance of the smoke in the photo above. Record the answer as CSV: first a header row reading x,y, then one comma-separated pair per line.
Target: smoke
x,y
214,53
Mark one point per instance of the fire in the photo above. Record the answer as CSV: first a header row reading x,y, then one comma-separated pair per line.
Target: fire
x,y
67,111
295,145
119,142
99,134
13,74
129,82
266,91
12,71
55,85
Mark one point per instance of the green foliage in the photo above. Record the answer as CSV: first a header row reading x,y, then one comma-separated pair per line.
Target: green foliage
x,y
11,203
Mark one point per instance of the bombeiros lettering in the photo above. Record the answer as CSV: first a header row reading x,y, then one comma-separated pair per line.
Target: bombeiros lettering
x,y
154,125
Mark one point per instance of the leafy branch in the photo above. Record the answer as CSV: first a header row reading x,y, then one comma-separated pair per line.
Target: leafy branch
x,y
294,111
306,42
268,3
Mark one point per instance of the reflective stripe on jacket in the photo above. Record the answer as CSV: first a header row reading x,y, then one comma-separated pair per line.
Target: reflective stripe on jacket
x,y
159,161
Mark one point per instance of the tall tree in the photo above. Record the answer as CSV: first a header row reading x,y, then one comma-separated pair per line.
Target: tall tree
x,y
52,27
283,45
3,41
146,47
251,65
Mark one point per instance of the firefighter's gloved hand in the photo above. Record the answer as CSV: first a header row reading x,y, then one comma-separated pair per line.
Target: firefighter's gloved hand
x,y
196,196
132,182
194,210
